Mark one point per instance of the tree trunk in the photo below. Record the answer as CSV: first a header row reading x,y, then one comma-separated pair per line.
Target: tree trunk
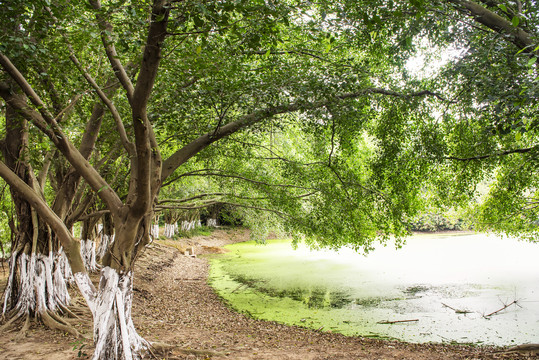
x,y
88,244
154,230
115,336
171,230
107,236
36,284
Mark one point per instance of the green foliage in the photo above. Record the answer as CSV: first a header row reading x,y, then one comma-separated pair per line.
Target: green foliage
x,y
336,169
6,214
432,222
198,231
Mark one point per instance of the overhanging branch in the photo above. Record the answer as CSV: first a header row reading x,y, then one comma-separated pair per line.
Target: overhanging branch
x,y
195,146
486,156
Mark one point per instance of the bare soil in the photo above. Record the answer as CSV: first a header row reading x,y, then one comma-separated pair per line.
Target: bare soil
x,y
173,304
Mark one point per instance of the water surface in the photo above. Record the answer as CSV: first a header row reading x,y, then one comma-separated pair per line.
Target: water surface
x,y
449,283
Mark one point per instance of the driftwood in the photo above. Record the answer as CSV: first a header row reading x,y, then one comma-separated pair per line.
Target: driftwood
x,y
514,302
457,311
396,321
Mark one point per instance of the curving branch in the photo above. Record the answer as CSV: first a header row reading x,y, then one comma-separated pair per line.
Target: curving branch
x,y
209,172
195,146
201,196
44,121
70,245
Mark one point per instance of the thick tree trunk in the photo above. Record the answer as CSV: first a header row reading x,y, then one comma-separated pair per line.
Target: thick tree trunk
x,y
214,215
187,225
37,280
41,291
88,253
115,336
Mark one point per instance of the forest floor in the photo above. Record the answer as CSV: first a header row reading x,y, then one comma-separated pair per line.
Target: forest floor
x,y
174,304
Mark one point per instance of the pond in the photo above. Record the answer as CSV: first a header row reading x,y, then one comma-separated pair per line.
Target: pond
x,y
447,284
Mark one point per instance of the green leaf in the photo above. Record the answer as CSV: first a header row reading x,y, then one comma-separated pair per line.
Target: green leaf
x,y
518,135
515,21
408,42
503,7
523,49
532,61
199,49
328,47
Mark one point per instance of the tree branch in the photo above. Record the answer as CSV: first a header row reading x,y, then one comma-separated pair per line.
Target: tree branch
x,y
486,156
149,162
44,122
189,150
495,22
216,173
70,245
110,49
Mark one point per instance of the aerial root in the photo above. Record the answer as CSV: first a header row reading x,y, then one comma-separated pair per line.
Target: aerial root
x,y
59,324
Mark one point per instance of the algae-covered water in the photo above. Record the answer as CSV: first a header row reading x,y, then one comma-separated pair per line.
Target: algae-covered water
x,y
448,283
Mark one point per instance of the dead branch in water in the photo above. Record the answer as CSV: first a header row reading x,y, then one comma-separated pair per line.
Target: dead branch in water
x,y
514,302
458,311
396,321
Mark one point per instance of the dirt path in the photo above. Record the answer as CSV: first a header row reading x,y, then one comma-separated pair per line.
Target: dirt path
x,y
174,304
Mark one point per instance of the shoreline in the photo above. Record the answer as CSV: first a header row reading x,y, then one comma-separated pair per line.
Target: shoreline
x,y
174,304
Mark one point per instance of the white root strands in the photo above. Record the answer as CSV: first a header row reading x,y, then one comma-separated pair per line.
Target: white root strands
x,y
171,230
9,287
42,291
104,245
115,336
189,225
88,253
64,267
154,231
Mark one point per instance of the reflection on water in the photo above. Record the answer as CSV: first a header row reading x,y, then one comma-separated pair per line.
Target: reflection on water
x,y
449,282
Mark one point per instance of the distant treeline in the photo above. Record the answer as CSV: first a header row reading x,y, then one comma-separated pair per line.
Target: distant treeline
x,y
438,222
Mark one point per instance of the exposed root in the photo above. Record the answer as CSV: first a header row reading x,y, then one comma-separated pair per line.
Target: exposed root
x,y
58,318
10,323
49,321
24,330
68,312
